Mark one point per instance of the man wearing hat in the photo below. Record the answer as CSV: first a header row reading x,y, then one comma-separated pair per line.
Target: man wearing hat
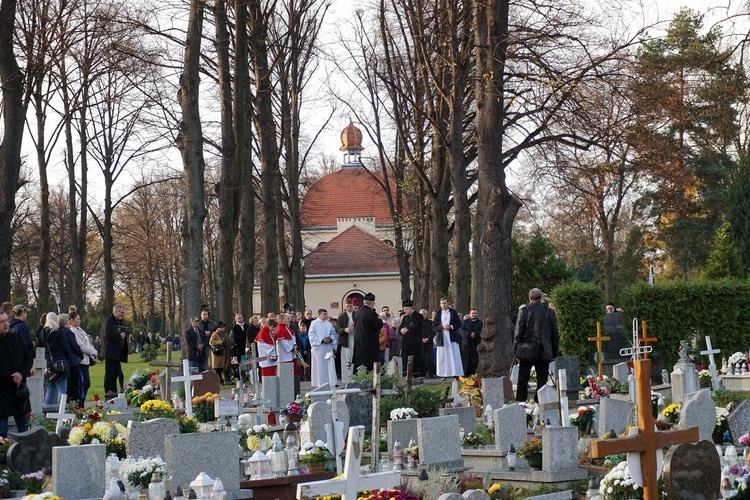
x,y
411,343
367,334
197,341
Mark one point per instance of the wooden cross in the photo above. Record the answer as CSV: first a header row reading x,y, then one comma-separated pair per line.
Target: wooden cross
x,y
167,364
351,483
61,415
645,339
186,378
647,440
250,365
599,339
409,376
712,366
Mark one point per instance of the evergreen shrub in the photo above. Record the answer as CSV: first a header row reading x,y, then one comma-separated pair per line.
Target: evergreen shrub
x,y
578,306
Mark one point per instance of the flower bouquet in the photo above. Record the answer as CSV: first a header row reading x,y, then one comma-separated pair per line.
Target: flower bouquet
x,y
139,473
472,440
618,484
141,387
386,495
583,419
258,438
532,452
704,378
403,413
188,425
156,408
596,390
108,433
672,413
722,426
315,456
33,482
293,412
203,407
471,390
42,496
4,445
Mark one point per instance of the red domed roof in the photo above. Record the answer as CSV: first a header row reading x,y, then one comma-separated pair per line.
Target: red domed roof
x,y
351,138
349,192
352,252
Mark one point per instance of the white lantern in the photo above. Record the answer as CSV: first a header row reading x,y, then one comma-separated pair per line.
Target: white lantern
x,y
260,466
202,485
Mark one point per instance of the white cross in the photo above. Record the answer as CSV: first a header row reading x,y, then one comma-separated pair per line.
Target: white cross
x,y
61,415
710,351
186,378
562,392
352,482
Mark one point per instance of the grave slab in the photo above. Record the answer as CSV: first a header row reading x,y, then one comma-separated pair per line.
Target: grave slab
x,y
146,439
735,382
285,373
360,406
211,382
439,443
621,372
269,392
467,416
402,431
572,367
739,420
510,426
319,414
613,414
496,391
692,470
215,453
78,471
562,443
699,411
36,394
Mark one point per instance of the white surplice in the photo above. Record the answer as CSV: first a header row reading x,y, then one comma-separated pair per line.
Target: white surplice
x,y
320,329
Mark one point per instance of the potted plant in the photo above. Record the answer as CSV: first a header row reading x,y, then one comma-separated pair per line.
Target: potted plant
x,y
293,412
583,419
141,472
315,456
532,452
473,440
722,426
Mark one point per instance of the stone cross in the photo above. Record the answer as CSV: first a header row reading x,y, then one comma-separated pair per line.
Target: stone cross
x,y
40,362
599,339
645,339
643,444
351,482
61,415
167,364
562,395
186,378
712,366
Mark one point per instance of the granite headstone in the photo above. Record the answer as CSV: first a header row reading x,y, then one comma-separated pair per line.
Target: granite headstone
x,y
560,445
572,367
285,373
360,406
402,431
319,414
32,450
215,453
739,420
467,416
497,391
78,471
621,372
699,411
211,382
270,392
146,439
439,443
692,470
614,414
510,426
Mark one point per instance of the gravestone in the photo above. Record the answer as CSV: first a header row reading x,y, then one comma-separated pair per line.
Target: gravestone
x,y
497,391
171,373
621,372
613,414
118,404
439,443
32,450
560,445
467,416
269,392
318,398
475,495
549,406
36,394
618,339
692,471
684,380
739,420
360,405
510,426
402,431
121,418
78,471
572,366
146,439
215,453
211,382
699,411
285,374
319,414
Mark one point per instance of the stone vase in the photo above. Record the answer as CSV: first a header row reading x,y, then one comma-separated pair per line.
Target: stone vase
x,y
535,462
294,418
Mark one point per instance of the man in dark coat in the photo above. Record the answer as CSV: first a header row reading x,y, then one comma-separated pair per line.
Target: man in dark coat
x,y
536,323
239,335
15,365
367,334
115,349
428,346
197,342
411,342
471,337
19,327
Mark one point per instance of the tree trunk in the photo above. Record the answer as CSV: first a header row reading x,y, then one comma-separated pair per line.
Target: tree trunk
x,y
227,190
477,270
14,114
190,142
246,190
45,222
267,152
497,204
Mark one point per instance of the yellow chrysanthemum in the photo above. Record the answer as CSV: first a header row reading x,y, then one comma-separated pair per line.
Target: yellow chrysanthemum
x,y
102,429
76,436
493,488
121,430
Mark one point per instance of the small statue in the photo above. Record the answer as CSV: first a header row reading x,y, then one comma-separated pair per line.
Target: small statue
x,y
684,352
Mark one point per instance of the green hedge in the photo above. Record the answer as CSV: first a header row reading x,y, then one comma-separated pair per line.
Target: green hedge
x,y
579,306
676,311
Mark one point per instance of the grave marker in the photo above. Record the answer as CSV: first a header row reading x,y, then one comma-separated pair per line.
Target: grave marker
x,y
467,416
31,451
61,415
78,471
439,442
146,439
215,453
210,382
166,391
699,411
599,339
712,365
614,414
496,391
186,379
739,420
645,339
510,426
562,443
642,446
692,471
351,482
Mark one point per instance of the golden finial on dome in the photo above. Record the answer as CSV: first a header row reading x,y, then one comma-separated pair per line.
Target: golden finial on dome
x,y
351,138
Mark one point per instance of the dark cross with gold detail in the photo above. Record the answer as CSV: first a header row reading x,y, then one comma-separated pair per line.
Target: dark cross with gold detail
x,y
645,339
648,440
599,339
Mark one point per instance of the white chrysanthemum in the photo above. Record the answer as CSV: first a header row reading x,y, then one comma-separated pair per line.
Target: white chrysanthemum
x,y
102,429
121,430
319,444
257,428
75,438
308,446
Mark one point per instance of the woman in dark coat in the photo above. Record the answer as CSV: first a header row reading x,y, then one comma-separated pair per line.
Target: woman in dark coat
x,y
58,349
75,381
15,364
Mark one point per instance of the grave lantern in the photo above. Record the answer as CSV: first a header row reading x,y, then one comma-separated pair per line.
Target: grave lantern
x,y
260,466
218,492
291,430
246,468
488,415
512,457
156,490
202,485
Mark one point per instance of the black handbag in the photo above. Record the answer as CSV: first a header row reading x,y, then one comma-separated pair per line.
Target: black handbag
x,y
22,393
528,352
61,366
217,349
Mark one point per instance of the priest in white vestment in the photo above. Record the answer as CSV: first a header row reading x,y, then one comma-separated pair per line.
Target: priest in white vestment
x,y
323,340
